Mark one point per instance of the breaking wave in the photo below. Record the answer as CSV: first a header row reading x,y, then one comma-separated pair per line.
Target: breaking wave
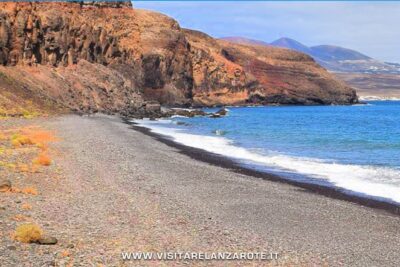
x,y
374,181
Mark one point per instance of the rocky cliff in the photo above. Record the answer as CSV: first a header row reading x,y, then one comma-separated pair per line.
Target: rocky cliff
x,y
258,74
288,77
99,56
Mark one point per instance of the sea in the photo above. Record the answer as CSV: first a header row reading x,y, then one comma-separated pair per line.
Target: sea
x,y
355,149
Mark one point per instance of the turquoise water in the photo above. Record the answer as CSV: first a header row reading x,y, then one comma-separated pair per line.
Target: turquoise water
x,y
356,148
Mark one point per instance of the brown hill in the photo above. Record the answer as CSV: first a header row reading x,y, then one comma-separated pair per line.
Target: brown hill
x,y
92,58
261,75
109,57
288,77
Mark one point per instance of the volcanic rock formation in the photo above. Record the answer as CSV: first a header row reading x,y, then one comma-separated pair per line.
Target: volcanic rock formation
x,y
109,57
258,74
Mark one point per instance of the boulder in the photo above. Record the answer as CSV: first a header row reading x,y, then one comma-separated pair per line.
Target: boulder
x,y
222,112
188,112
5,185
198,112
47,240
153,106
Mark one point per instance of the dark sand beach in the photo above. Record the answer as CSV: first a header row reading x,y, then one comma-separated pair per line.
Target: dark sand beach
x,y
120,189
222,161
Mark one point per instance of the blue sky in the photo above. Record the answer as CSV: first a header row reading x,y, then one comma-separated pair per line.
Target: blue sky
x,y
371,28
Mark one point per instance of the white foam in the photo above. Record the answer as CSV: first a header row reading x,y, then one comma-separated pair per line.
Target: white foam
x,y
374,181
178,116
219,132
378,98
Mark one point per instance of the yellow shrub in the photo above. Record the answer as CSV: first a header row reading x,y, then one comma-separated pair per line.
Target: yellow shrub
x,y
42,159
20,140
26,206
41,146
7,165
28,233
26,190
39,136
29,191
30,114
65,253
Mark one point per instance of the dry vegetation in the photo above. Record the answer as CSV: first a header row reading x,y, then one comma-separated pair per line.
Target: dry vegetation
x,y
24,150
28,233
12,106
16,101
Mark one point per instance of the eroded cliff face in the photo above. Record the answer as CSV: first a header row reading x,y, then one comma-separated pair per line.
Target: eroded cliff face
x,y
217,79
109,57
101,57
289,77
32,33
252,74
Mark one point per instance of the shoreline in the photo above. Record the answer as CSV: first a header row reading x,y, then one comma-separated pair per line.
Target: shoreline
x,y
159,199
230,164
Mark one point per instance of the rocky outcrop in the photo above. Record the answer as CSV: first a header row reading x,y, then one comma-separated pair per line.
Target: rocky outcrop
x,y
95,56
257,74
84,87
31,34
217,79
5,185
288,77
105,56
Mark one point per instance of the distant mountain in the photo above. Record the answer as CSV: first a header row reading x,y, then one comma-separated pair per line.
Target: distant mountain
x,y
334,58
339,59
335,53
242,40
291,44
396,65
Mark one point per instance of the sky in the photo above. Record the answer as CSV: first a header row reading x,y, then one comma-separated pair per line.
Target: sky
x,y
371,28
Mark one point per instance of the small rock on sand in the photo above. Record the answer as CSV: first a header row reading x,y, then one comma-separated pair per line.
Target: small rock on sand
x,y
49,240
5,185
